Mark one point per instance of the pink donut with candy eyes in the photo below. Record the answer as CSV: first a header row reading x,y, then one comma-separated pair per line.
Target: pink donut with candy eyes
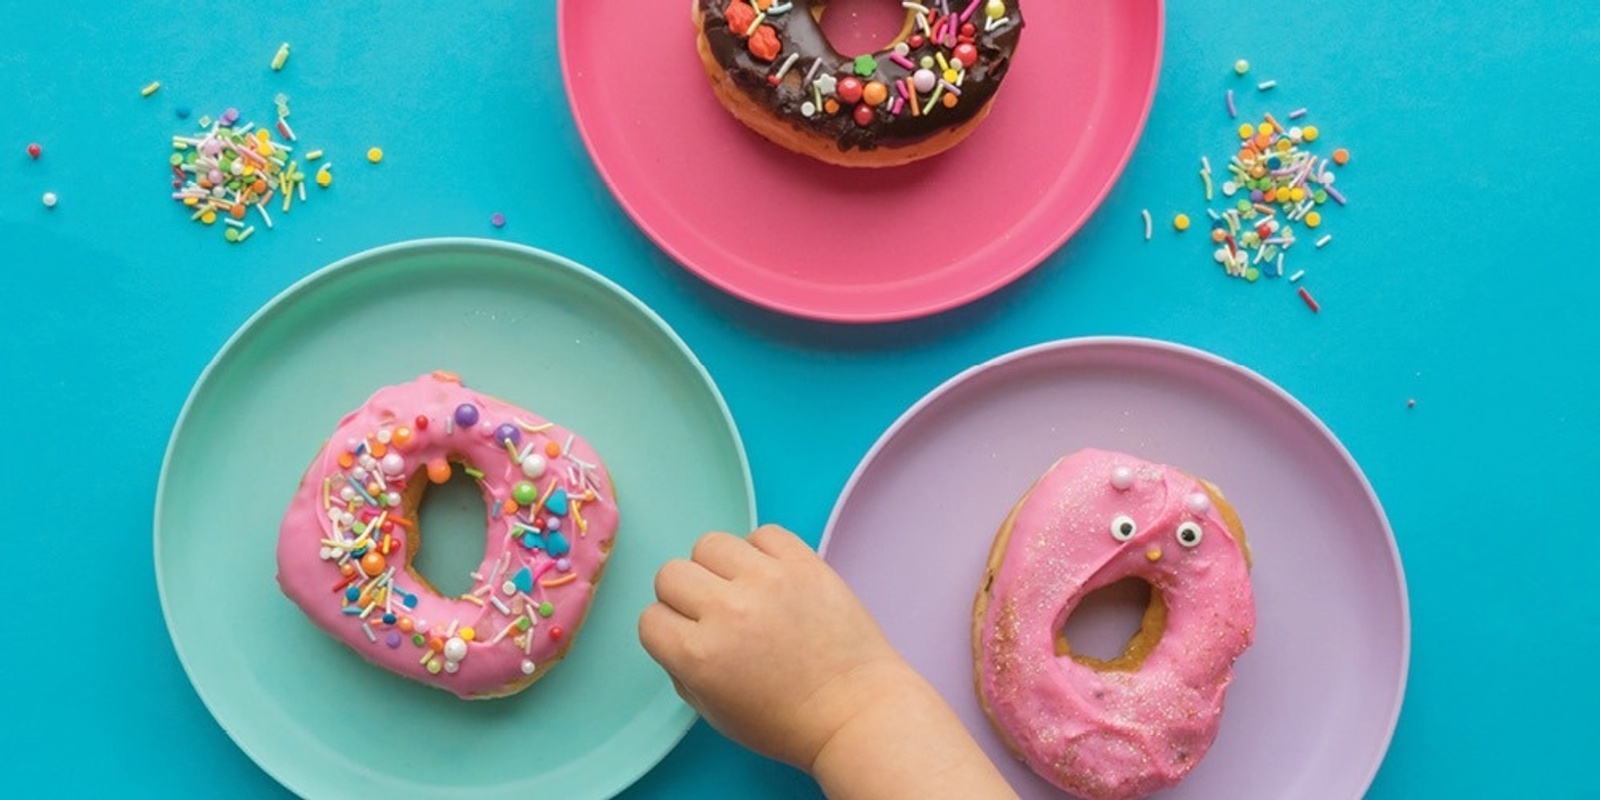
x,y
1139,722
348,539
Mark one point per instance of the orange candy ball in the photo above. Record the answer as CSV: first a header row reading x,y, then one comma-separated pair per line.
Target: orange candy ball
x,y
373,563
401,437
438,470
875,93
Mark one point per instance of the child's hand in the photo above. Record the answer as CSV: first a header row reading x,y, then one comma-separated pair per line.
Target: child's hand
x,y
765,640
768,644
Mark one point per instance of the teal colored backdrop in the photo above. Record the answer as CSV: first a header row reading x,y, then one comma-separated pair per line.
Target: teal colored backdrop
x,y
1462,275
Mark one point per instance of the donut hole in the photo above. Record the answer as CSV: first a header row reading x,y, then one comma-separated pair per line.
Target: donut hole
x,y
855,27
1114,627
451,518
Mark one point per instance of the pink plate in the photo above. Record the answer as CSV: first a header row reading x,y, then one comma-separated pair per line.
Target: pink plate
x,y
832,243
1314,701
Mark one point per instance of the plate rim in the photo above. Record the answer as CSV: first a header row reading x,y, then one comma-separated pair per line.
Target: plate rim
x,y
1019,268
1210,360
683,719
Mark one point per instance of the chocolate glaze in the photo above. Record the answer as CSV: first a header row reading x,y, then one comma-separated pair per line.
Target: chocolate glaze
x,y
799,32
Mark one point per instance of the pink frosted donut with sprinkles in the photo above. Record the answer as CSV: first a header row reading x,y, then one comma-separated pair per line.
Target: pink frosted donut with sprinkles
x,y
1137,723
771,66
349,537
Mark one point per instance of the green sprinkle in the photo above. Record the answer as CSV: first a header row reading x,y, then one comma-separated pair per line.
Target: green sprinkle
x,y
866,65
474,473
418,639
1252,274
545,609
523,623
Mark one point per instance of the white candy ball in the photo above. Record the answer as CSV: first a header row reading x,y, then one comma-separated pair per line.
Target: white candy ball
x,y
455,649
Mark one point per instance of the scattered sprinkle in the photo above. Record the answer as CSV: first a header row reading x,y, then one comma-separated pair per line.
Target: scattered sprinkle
x,y
1311,303
1181,222
279,58
1148,226
1241,66
223,170
182,112
49,199
34,151
150,88
1274,186
375,154
1411,403
497,219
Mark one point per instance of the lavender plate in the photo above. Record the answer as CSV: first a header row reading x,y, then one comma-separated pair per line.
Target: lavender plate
x,y
1314,702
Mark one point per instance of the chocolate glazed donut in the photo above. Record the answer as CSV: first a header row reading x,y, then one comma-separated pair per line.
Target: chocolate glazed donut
x,y
771,65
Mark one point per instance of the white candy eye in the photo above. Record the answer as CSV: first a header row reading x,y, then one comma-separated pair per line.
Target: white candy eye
x,y
1189,534
1123,528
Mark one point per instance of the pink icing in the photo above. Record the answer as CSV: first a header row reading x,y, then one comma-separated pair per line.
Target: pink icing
x,y
318,539
1113,734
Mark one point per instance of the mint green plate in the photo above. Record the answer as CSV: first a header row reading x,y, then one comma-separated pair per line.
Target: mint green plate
x,y
514,322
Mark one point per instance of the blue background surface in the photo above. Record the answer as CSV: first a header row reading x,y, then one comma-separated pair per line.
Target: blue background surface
x,y
1462,275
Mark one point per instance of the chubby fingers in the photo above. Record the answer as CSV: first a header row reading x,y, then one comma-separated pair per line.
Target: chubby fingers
x,y
779,543
726,555
685,586
663,632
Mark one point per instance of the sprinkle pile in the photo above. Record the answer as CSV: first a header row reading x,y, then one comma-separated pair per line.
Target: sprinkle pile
x,y
226,170
1276,185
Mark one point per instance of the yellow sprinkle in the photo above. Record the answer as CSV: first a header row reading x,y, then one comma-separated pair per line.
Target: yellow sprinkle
x,y
209,217
1246,131
375,155
1313,219
280,57
313,155
467,634
995,9
150,89
1181,222
324,178
1309,133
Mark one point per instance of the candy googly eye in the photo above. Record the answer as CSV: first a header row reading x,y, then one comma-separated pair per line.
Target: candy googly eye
x,y
1123,528
1189,534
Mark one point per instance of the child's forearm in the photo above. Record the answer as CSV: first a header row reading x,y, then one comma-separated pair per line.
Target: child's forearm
x,y
906,743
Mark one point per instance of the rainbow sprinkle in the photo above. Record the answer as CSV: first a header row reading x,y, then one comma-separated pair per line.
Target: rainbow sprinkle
x,y
1273,187
226,171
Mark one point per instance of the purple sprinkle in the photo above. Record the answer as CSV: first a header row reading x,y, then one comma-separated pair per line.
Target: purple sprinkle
x,y
497,219
1334,193
1232,112
393,639
508,433
466,415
